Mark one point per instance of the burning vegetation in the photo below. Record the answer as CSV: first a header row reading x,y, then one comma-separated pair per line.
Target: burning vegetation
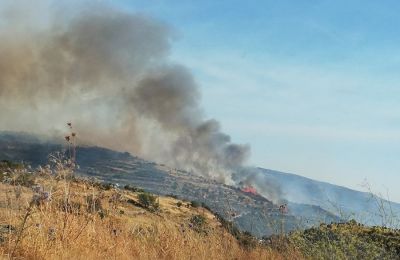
x,y
249,189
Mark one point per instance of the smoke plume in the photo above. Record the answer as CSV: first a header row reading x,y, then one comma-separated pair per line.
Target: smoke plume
x,y
108,71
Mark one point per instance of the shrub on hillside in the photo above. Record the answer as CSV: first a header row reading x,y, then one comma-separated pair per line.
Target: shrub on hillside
x,y
16,174
106,186
194,204
245,239
132,188
148,201
347,241
8,165
26,179
199,224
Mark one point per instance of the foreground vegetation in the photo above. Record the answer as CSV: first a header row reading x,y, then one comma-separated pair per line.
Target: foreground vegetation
x,y
349,240
50,214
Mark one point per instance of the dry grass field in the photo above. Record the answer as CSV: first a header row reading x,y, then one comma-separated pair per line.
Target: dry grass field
x,y
57,217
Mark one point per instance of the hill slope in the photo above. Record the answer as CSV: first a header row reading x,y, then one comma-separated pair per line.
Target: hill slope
x,y
62,217
362,206
52,214
250,212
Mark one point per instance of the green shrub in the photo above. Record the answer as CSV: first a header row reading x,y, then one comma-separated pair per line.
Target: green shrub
x,y
347,241
106,186
179,204
24,179
199,223
245,239
194,204
148,201
6,164
132,188
16,174
198,220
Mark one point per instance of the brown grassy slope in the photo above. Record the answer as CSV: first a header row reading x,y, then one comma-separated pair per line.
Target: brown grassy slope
x,y
82,221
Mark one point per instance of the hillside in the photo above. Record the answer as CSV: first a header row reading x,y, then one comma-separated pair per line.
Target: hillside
x,y
347,203
52,214
58,216
310,202
253,213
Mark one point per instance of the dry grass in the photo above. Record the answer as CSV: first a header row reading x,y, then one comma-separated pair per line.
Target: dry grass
x,y
70,226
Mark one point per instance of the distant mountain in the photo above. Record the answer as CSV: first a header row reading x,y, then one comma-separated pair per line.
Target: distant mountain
x,y
251,212
339,200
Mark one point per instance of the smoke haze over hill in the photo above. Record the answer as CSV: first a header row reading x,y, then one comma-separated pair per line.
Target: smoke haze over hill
x,y
107,71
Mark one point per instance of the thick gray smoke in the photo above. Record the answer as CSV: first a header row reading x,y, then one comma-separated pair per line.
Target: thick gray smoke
x,y
108,71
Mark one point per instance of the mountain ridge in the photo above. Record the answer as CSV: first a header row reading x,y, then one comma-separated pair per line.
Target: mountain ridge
x,y
362,206
294,175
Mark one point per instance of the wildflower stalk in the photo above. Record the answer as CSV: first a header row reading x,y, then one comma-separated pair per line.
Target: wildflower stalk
x,y
22,228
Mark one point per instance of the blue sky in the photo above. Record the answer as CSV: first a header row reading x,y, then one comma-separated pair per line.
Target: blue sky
x,y
313,86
